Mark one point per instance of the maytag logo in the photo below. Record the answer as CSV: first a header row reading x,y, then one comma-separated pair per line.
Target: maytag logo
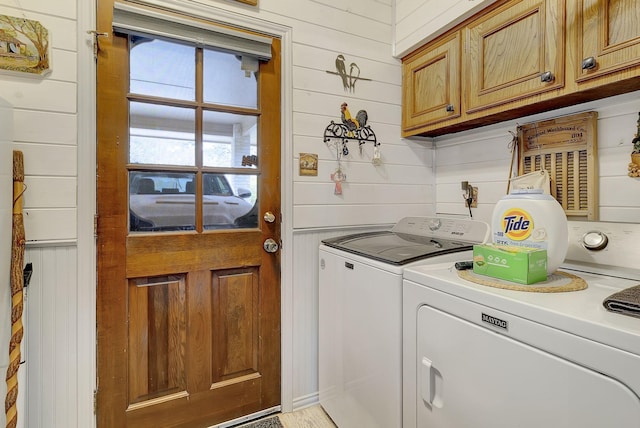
x,y
495,321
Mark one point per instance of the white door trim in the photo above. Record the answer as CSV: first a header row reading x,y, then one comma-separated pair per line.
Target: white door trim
x,y
86,194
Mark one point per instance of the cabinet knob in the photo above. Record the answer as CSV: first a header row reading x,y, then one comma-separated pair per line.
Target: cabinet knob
x,y
547,76
589,63
450,108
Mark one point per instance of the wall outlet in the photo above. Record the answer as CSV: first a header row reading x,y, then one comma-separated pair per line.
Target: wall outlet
x,y
474,201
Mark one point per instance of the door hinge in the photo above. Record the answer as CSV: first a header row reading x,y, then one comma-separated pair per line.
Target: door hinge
x,y
95,226
96,43
95,401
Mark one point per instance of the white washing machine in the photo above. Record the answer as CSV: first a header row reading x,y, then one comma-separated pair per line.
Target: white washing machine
x,y
360,319
483,357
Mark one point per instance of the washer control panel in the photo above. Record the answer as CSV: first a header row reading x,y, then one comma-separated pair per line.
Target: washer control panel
x,y
466,230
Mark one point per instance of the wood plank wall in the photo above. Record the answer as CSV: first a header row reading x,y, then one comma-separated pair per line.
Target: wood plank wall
x,y
45,125
482,157
46,129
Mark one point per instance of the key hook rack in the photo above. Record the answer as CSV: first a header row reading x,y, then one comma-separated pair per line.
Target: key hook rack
x,y
341,134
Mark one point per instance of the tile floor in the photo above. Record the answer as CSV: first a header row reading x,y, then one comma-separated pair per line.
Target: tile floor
x,y
309,417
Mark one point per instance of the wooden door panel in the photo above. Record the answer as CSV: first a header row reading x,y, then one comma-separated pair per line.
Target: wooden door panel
x,y
156,255
157,337
509,49
201,410
609,32
235,325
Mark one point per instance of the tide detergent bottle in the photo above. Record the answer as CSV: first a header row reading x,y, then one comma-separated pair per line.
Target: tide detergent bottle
x,y
529,218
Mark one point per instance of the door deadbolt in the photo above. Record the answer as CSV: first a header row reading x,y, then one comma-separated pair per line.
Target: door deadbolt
x,y
269,217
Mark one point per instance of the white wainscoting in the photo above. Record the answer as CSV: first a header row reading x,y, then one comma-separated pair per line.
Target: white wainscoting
x,y
51,339
305,309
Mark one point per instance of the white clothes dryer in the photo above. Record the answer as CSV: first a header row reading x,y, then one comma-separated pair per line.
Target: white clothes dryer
x,y
476,356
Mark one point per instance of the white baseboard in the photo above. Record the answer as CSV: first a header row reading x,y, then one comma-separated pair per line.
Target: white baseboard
x,y
306,401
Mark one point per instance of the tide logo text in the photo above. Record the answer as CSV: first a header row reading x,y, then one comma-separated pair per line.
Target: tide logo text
x,y
517,224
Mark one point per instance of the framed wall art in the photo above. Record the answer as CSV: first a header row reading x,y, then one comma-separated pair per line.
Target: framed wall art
x,y
24,46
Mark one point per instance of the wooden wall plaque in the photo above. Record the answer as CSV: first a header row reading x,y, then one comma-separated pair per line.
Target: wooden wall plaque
x,y
567,148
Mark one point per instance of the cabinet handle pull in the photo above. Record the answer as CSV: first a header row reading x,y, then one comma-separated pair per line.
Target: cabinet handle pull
x,y
547,76
589,63
450,108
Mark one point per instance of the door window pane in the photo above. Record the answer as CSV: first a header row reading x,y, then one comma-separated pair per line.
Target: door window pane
x,y
229,201
225,82
160,201
162,69
161,135
229,140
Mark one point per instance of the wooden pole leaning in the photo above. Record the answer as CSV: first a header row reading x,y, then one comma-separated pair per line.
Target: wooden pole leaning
x,y
17,286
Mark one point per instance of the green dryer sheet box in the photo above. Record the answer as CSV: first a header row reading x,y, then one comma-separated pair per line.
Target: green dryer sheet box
x,y
523,265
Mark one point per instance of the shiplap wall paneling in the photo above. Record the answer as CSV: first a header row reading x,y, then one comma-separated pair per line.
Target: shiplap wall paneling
x,y
482,157
401,185
418,21
619,193
45,130
45,124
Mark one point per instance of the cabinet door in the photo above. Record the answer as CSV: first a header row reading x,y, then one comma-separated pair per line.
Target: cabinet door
x,y
610,37
431,84
514,52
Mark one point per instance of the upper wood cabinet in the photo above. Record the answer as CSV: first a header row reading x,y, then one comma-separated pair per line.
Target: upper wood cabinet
x,y
431,84
521,57
609,37
514,52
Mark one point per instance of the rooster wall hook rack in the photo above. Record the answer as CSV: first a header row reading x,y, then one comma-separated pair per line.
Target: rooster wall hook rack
x,y
352,128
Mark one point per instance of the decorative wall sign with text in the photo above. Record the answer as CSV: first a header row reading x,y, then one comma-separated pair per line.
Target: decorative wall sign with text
x,y
567,148
24,46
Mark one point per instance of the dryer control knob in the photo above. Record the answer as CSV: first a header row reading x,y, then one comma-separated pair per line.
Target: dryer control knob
x,y
595,240
434,224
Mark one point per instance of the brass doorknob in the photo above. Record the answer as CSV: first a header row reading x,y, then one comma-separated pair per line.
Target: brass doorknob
x,y
270,245
269,217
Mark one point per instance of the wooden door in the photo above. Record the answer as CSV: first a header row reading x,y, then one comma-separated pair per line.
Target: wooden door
x,y
510,50
188,310
608,39
431,85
